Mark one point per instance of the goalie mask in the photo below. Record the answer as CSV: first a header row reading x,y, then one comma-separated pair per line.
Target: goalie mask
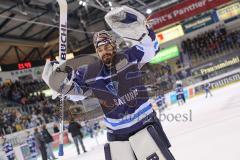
x,y
103,37
105,46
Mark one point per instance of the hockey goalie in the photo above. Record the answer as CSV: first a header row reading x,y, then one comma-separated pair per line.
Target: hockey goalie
x,y
133,130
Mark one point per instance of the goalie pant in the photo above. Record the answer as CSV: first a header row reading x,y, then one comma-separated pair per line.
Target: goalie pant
x,y
120,90
160,138
145,144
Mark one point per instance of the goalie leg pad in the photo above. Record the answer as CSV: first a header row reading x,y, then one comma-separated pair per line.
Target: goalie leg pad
x,y
147,145
118,150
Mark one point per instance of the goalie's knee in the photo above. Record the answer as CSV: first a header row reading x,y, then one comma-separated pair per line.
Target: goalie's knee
x,y
144,145
147,145
119,150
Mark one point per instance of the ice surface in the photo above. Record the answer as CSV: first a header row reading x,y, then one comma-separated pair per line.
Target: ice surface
x,y
213,133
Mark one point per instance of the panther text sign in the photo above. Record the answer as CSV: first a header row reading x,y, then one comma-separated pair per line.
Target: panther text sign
x,y
181,11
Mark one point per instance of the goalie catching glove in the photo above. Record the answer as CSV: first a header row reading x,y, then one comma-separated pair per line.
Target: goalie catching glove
x,y
127,23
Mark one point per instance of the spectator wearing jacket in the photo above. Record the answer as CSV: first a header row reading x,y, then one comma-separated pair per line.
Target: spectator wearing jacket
x,y
55,128
40,143
48,141
74,129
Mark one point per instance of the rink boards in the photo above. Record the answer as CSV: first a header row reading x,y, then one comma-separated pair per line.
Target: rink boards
x,y
216,83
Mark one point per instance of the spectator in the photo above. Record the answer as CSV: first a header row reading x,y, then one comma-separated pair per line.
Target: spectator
x,y
40,143
55,128
1,125
238,40
18,127
48,141
74,129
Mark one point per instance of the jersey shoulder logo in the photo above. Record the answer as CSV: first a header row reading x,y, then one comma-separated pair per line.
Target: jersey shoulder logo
x,y
113,87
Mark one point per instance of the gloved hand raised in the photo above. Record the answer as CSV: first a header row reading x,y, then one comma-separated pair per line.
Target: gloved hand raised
x,y
127,22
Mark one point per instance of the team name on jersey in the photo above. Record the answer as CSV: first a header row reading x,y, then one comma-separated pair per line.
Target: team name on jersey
x,y
126,98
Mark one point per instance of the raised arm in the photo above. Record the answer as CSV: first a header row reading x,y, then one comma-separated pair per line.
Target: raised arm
x,y
145,50
131,26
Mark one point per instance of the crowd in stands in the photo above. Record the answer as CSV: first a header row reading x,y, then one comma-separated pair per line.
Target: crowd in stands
x,y
29,110
12,120
211,43
158,75
22,92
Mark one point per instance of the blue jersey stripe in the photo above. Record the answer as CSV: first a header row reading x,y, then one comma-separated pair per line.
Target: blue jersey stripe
x,y
129,118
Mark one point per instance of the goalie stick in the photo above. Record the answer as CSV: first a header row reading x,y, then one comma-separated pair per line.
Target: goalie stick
x,y
62,57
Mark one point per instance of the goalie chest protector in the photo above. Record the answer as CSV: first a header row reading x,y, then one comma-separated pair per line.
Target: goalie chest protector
x,y
120,89
120,85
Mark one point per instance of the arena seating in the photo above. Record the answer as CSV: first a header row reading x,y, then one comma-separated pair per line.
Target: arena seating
x,y
211,43
23,92
13,119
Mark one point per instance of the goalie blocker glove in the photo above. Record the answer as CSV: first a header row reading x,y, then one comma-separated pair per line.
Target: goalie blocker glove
x,y
59,77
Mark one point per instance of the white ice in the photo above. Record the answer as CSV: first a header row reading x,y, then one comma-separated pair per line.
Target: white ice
x,y
213,133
